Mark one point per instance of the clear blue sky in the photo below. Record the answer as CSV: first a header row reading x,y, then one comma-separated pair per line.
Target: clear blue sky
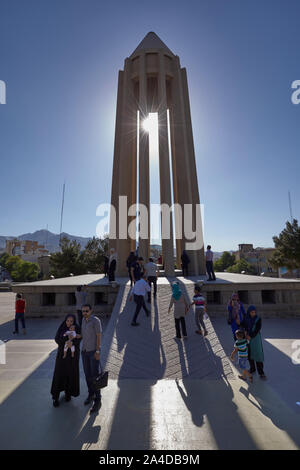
x,y
60,61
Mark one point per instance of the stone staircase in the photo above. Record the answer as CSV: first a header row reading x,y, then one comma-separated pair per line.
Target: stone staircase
x,y
150,351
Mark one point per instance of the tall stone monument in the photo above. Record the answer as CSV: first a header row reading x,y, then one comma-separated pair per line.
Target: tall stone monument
x,y
153,81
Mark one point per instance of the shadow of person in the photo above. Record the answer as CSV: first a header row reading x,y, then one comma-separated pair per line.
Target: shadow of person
x,y
270,404
88,434
137,359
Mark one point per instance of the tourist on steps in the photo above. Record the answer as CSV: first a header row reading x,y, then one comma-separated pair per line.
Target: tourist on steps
x,y
209,256
200,309
112,265
139,290
181,307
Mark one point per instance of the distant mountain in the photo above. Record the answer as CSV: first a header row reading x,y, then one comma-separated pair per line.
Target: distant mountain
x,y
48,239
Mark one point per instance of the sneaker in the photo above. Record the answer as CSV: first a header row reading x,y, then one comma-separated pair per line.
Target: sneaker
x,y
184,336
96,407
134,324
89,400
263,377
199,332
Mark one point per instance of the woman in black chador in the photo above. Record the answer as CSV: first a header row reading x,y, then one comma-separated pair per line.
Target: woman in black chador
x,y
66,372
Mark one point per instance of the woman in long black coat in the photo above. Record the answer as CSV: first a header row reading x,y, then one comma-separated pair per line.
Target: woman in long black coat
x,y
66,372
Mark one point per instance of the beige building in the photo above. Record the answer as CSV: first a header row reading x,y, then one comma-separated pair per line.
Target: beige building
x,y
154,82
258,258
25,249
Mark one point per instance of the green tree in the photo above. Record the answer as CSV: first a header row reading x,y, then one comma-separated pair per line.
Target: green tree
x,y
68,260
240,266
93,254
13,264
19,270
25,272
3,259
224,262
287,247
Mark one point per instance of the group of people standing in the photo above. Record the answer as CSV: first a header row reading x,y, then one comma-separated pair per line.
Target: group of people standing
x,y
246,328
66,376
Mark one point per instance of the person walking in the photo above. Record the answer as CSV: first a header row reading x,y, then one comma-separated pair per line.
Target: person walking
x,y
80,295
236,313
112,265
20,314
130,260
90,352
209,256
151,271
185,260
66,371
139,290
105,265
252,326
180,304
137,269
200,309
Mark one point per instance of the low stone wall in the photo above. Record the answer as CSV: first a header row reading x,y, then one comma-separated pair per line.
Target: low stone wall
x,y
271,300
58,301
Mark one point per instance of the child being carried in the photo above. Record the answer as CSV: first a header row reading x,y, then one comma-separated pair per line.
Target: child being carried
x,y
71,333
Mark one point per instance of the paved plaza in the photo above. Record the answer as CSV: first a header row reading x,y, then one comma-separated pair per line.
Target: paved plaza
x,y
162,394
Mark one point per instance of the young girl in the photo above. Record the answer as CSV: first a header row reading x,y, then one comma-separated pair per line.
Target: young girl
x,y
180,310
200,309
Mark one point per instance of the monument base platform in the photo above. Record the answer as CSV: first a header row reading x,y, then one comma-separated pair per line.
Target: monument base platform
x,y
273,297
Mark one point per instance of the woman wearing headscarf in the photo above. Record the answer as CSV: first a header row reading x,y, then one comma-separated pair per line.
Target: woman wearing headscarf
x,y
112,265
180,309
236,313
66,372
252,326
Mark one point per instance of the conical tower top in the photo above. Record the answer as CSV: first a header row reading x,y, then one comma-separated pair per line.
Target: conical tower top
x,y
151,42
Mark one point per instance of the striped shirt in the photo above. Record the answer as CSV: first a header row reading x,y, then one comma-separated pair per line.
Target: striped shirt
x,y
242,347
199,301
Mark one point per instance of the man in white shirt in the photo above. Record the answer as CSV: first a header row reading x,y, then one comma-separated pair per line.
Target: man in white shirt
x,y
151,273
139,291
209,264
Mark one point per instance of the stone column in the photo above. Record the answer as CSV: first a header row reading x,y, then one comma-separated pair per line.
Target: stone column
x,y
144,180
164,165
200,259
127,168
114,225
184,174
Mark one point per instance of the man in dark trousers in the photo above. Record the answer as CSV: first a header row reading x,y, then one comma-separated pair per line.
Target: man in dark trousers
x,y
209,264
91,330
185,260
139,290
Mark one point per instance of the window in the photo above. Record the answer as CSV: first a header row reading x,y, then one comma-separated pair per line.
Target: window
x,y
100,298
48,298
71,298
268,297
244,297
213,297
